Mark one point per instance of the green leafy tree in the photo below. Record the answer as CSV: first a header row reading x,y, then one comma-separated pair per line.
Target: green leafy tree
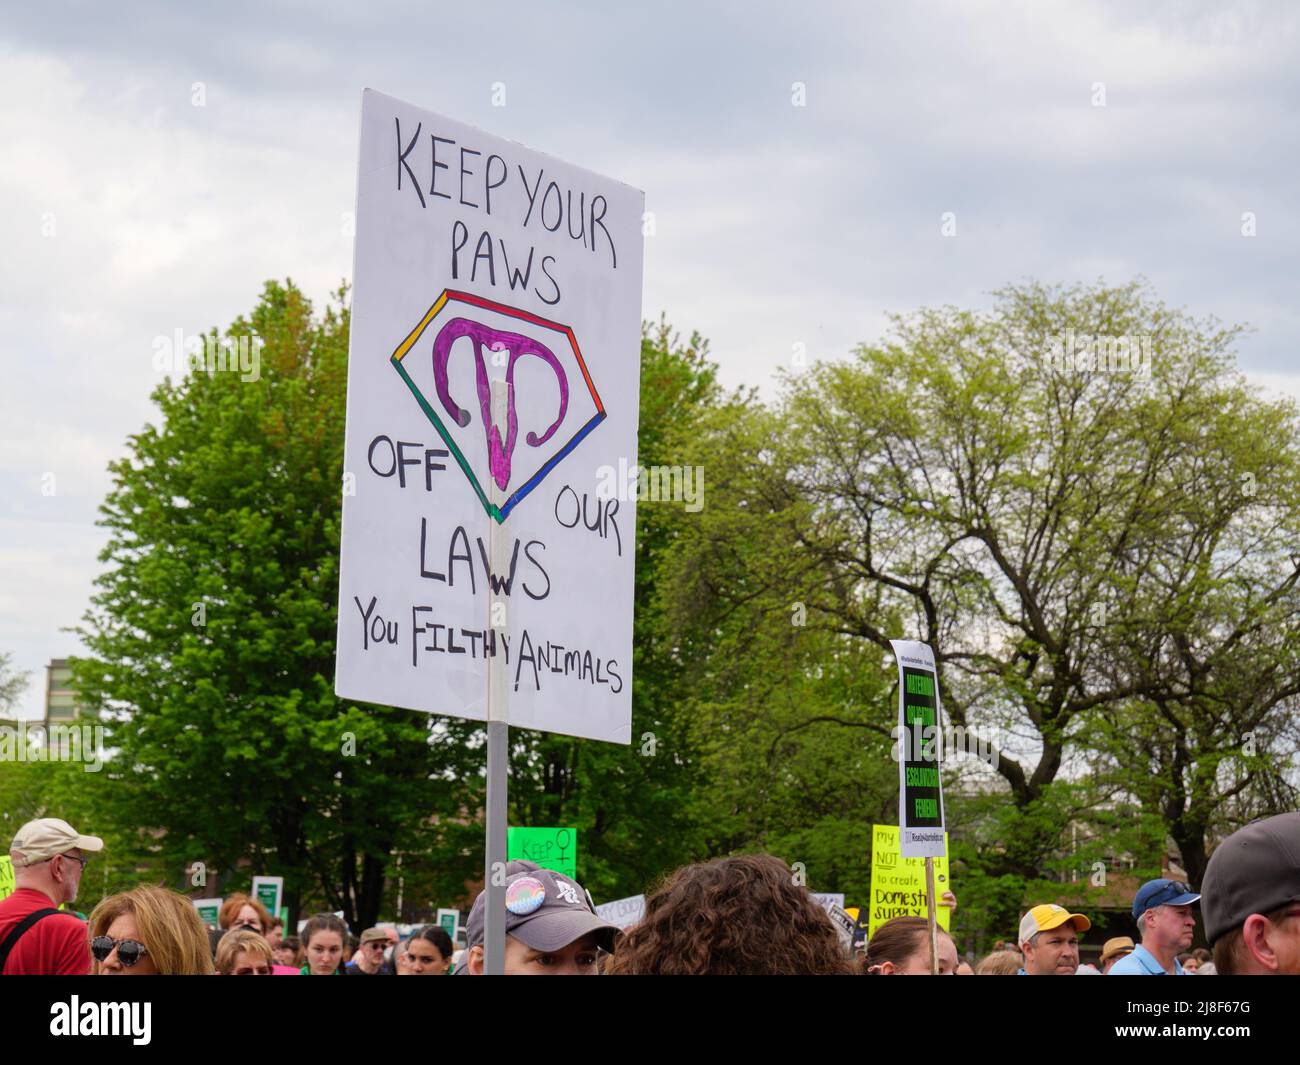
x,y
966,483
12,684
212,640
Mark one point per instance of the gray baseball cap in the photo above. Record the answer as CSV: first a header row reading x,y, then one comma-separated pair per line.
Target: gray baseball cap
x,y
1255,870
545,910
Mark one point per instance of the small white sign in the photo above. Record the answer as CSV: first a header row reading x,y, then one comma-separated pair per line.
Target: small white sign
x,y
269,888
623,912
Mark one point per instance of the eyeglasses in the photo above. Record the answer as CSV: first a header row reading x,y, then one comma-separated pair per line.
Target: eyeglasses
x,y
128,950
71,857
260,970
377,944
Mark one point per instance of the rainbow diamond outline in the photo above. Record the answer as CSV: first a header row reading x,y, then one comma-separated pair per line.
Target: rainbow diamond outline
x,y
499,514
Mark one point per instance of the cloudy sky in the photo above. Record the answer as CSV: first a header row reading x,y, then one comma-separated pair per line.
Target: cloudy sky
x,y
159,162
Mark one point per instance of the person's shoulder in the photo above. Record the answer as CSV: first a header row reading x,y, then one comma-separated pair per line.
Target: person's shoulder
x,y
1131,965
61,925
24,901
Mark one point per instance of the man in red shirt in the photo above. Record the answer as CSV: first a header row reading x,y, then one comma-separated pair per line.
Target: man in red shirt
x,y
48,857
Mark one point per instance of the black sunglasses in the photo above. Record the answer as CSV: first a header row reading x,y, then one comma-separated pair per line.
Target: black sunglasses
x,y
128,950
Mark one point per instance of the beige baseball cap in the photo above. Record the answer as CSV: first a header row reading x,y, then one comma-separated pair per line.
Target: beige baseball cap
x,y
38,841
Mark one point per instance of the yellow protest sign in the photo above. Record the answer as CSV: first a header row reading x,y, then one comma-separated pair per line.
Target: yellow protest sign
x,y
898,883
6,877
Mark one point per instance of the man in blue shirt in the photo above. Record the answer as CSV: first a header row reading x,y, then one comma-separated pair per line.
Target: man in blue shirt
x,y
1166,920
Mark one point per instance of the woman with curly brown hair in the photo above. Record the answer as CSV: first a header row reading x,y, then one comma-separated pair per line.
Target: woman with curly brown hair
x,y
740,916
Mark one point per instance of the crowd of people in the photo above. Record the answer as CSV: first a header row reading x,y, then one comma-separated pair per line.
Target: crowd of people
x,y
740,915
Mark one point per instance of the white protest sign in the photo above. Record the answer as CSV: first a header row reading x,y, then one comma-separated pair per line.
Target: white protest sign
x,y
480,261
209,910
623,912
449,922
918,746
844,924
828,899
269,891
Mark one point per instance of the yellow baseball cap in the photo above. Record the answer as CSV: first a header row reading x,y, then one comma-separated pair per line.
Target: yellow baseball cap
x,y
1048,916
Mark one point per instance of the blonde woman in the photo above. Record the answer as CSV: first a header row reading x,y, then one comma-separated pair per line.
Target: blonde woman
x,y
244,953
149,931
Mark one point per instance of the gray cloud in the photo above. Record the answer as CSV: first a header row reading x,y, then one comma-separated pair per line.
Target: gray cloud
x,y
776,224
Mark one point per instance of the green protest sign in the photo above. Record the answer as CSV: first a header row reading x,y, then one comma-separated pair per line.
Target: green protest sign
x,y
6,876
449,922
551,848
209,911
269,891
918,748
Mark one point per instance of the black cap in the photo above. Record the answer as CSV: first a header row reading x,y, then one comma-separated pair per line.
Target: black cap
x,y
1255,870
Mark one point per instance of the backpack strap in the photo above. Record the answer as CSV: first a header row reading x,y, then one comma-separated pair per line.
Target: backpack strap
x,y
18,933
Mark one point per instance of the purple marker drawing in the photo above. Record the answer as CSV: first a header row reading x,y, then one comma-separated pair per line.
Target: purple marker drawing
x,y
499,452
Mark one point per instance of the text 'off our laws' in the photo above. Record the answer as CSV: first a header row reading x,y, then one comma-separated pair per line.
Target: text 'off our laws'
x,y
493,371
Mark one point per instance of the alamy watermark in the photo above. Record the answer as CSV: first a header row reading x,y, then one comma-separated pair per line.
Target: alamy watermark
x,y
672,484
212,354
1099,354
924,744
53,743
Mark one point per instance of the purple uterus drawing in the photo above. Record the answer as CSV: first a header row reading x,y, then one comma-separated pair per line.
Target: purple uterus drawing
x,y
499,451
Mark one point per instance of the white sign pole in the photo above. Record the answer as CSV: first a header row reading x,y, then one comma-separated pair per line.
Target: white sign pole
x,y
498,736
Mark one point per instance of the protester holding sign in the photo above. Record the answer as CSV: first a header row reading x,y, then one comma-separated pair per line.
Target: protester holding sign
x,y
1049,940
48,857
901,947
738,916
